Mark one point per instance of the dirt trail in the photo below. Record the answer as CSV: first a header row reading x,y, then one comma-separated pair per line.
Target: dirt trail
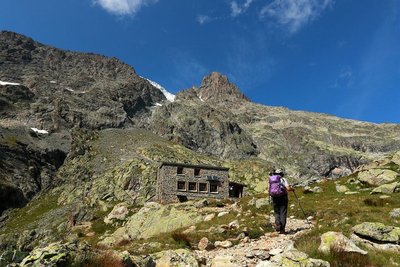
x,y
252,252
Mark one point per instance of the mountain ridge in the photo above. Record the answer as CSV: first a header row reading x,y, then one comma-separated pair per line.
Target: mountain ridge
x,y
62,92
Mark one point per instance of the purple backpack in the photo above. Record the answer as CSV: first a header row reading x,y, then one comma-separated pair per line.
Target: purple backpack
x,y
276,188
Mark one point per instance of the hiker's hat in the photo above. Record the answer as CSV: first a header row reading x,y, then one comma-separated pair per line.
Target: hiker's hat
x,y
279,171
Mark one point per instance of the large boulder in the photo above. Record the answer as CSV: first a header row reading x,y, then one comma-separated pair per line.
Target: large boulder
x,y
150,221
335,240
172,258
341,188
387,188
119,212
377,177
378,232
293,257
55,254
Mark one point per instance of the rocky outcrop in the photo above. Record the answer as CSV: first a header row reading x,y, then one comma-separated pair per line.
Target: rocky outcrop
x,y
28,163
377,176
337,241
216,87
55,254
293,257
387,188
378,232
154,220
377,236
180,257
204,129
65,83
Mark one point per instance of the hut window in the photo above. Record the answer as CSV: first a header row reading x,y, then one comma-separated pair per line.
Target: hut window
x,y
181,186
192,187
213,187
203,187
179,170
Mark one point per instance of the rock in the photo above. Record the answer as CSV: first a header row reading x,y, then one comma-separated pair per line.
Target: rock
x,y
119,212
223,244
55,254
201,203
373,245
148,222
223,213
203,243
209,217
179,257
384,197
293,257
275,251
378,232
341,188
335,240
351,192
395,213
246,239
377,177
262,202
315,189
241,236
387,188
259,254
234,224
191,229
223,261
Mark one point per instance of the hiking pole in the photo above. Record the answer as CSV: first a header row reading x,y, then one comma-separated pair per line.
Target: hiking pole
x,y
298,200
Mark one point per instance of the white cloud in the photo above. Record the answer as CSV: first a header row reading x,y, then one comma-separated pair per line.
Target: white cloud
x,y
123,7
203,19
237,9
294,14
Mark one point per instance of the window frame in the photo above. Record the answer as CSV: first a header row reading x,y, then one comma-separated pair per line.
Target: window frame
x,y
181,190
196,187
203,191
216,185
179,171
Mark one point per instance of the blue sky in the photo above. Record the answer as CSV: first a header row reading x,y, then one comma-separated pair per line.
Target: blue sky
x,y
340,57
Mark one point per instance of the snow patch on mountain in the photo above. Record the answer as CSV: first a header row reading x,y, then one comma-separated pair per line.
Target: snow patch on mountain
x,y
8,83
36,130
170,97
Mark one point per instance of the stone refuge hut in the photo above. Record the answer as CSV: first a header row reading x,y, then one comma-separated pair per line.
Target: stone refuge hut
x,y
178,182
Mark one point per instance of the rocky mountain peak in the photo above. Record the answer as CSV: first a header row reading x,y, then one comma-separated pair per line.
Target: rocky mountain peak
x,y
216,86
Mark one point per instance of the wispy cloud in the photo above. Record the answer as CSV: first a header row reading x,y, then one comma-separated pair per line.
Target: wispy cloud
x,y
123,7
237,9
202,19
294,14
345,79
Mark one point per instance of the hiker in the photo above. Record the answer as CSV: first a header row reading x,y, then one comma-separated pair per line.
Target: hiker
x,y
278,191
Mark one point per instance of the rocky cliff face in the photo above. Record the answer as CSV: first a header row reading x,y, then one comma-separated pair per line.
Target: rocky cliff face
x,y
53,91
195,120
73,89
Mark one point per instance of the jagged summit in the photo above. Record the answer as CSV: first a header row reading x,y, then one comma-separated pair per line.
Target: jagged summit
x,y
217,87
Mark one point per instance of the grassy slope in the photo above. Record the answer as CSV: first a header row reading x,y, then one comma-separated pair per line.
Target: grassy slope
x,y
335,211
